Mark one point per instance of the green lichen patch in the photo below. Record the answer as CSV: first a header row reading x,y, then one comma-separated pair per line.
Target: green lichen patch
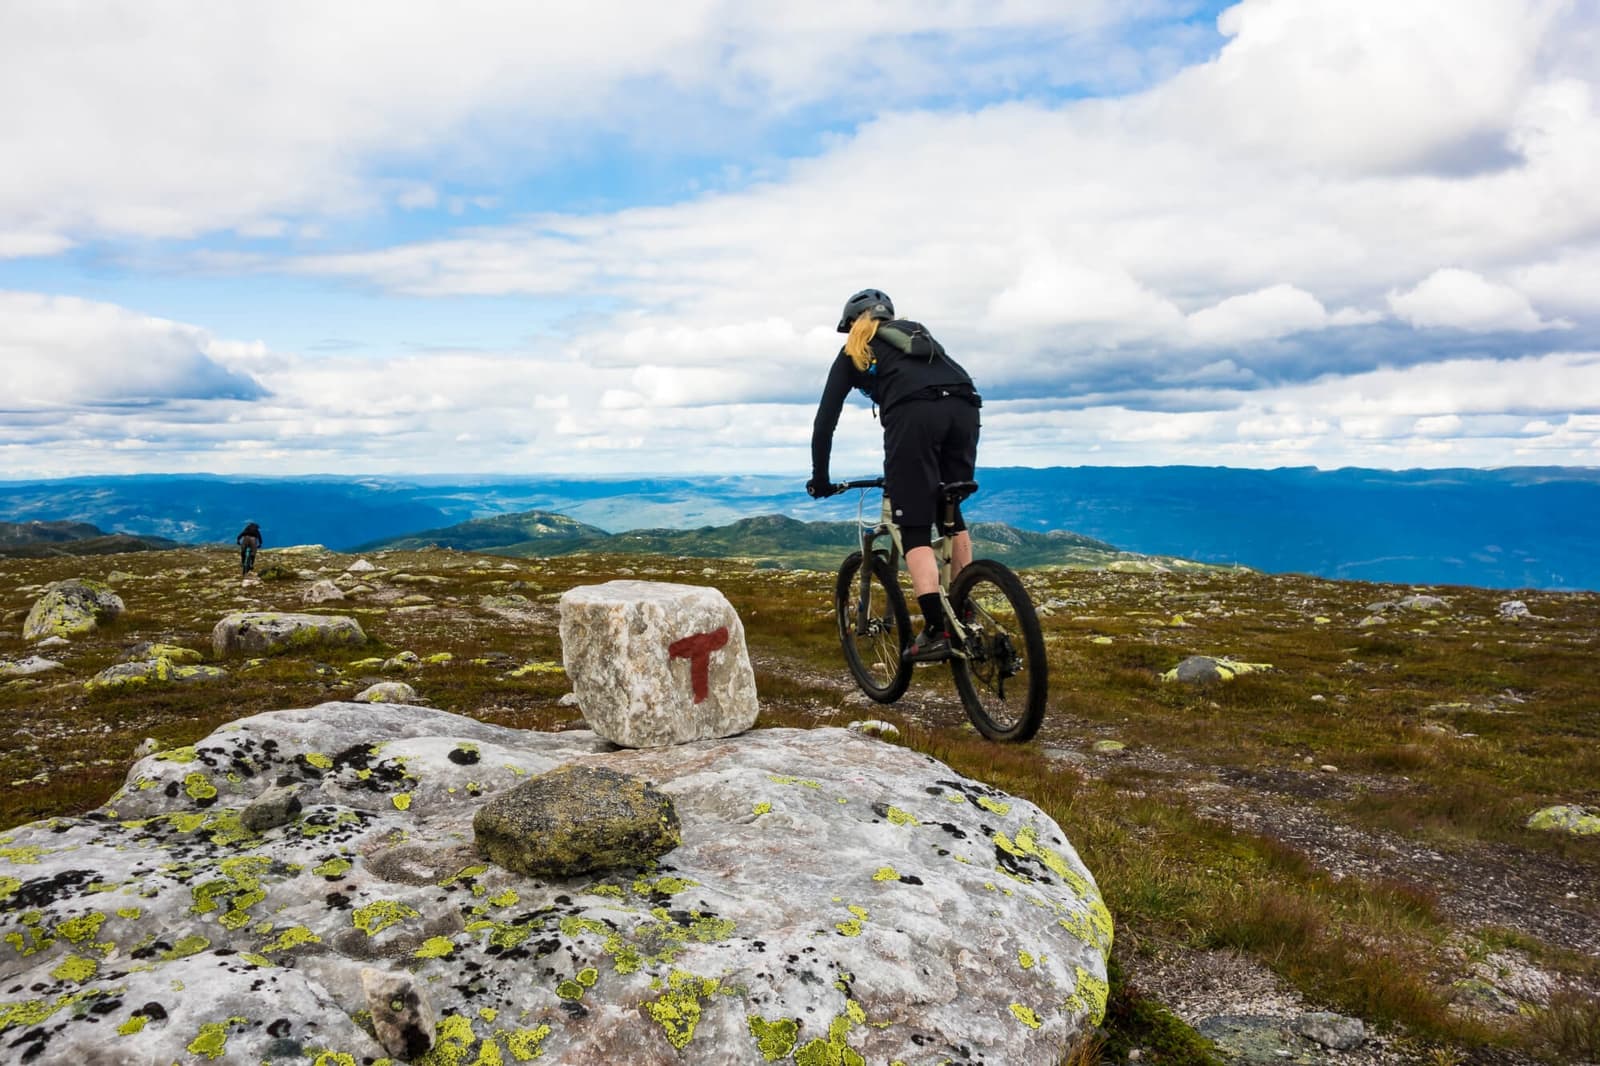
x,y
1026,1016
677,1009
380,914
775,1039
435,947
211,1042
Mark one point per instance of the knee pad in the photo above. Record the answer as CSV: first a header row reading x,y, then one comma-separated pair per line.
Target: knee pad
x,y
916,537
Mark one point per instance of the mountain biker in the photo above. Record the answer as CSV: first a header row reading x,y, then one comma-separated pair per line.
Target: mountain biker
x,y
929,411
249,539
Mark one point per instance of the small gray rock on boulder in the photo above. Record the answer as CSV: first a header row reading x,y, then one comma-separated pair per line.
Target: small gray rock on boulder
x,y
272,632
655,663
576,820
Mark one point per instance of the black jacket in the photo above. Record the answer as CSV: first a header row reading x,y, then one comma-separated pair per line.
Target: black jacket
x,y
894,378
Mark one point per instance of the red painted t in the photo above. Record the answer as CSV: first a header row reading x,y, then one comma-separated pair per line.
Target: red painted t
x,y
697,649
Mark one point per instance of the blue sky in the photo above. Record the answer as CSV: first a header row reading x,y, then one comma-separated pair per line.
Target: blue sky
x,y
502,237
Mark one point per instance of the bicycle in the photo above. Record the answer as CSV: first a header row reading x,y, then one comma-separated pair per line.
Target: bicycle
x,y
997,649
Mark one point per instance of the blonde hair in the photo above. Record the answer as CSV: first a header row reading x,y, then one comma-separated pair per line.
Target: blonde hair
x,y
858,346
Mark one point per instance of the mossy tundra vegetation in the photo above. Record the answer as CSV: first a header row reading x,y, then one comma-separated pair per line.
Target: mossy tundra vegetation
x,y
1351,823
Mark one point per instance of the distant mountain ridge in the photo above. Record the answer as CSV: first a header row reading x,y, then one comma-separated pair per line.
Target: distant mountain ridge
x,y
1518,527
36,539
775,539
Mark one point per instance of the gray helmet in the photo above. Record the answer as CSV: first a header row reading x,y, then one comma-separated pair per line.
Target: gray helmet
x,y
867,301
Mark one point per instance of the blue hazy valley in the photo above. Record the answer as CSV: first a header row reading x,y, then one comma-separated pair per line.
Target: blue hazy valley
x,y
1527,527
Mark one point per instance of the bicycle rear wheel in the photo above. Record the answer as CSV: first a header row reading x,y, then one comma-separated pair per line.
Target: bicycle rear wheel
x,y
873,633
1004,680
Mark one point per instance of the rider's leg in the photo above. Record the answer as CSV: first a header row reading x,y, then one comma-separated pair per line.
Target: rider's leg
x,y
924,567
960,552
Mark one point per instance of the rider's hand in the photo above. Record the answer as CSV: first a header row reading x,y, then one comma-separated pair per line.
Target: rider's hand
x,y
820,489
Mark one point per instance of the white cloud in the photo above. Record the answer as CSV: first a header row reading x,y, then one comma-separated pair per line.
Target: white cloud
x,y
1460,299
1266,314
163,119
22,245
60,350
1364,86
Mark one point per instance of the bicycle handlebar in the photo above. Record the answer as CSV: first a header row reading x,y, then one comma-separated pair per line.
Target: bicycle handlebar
x,y
864,483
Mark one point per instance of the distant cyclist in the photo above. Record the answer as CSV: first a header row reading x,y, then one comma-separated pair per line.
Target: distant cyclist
x,y
249,539
929,410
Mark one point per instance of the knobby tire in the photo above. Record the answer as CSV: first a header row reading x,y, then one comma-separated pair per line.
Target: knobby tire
x,y
1004,679
874,655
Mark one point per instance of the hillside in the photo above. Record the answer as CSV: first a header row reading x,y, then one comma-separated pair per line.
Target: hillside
x,y
769,540
37,539
1346,830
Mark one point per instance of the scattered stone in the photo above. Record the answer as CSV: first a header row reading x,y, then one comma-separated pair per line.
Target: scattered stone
x,y
387,692
1514,609
1373,620
577,820
512,602
1197,669
655,663
402,1014
1257,1040
1566,818
71,608
568,699
1331,1030
360,566
323,591
875,727
278,805
151,672
173,653
1423,603
403,663
147,746
1109,747
270,633
33,664
52,642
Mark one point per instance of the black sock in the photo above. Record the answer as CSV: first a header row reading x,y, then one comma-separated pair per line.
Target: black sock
x,y
932,611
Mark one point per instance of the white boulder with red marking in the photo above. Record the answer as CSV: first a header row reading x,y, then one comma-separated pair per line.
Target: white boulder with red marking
x,y
654,663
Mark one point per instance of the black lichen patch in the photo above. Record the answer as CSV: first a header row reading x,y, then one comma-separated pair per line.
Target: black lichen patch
x,y
43,891
464,756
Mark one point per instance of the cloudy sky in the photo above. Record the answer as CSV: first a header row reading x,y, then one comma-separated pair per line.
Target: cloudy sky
x,y
614,236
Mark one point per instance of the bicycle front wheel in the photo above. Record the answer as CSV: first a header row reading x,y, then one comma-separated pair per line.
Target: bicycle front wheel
x,y
1004,679
873,627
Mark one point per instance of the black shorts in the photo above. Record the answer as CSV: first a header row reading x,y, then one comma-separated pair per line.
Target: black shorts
x,y
926,443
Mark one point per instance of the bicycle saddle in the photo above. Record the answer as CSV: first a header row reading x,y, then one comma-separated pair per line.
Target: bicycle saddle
x,y
956,491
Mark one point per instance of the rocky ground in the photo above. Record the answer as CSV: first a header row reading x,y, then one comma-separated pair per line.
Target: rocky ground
x,y
1342,833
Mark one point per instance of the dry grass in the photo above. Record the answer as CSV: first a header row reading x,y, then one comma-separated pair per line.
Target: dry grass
x,y
1447,730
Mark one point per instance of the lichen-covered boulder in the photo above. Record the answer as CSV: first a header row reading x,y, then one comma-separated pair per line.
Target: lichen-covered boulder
x,y
71,608
576,820
152,672
323,591
271,633
173,653
1566,818
27,667
387,692
655,663
835,899
1201,668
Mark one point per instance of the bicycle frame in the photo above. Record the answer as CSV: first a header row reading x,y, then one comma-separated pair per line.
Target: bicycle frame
x,y
868,533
